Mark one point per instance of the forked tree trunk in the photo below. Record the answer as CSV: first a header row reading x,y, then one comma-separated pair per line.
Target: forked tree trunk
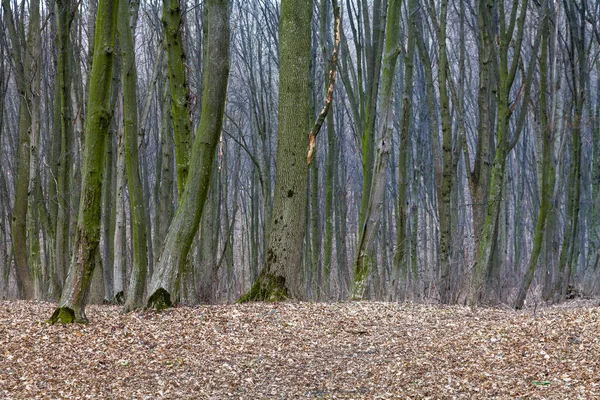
x,y
185,223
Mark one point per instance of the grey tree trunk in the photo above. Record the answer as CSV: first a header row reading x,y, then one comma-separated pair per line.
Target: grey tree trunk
x,y
366,243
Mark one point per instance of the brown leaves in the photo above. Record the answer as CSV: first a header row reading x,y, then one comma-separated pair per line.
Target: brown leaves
x,y
301,350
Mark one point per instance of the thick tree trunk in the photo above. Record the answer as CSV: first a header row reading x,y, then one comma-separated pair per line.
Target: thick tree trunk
x,y
185,223
484,265
280,275
72,304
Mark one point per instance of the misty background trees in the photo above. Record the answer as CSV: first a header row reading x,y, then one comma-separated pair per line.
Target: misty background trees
x,y
459,161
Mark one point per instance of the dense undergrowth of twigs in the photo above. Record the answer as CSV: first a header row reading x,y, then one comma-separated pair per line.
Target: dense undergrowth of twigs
x,y
354,350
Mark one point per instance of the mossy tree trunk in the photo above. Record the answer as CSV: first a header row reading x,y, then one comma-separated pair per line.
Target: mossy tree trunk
x,y
180,108
509,37
280,275
547,179
65,160
448,173
187,218
365,253
137,280
87,234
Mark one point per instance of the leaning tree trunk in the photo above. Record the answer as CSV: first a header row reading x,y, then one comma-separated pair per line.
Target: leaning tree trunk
x,y
280,275
87,235
185,223
366,244
137,280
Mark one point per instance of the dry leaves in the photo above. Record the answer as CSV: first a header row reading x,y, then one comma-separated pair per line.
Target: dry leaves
x,y
302,350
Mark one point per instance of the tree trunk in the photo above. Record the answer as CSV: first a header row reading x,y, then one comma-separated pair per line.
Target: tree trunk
x,y
65,162
25,66
365,251
280,275
87,236
400,259
547,179
137,280
185,223
180,108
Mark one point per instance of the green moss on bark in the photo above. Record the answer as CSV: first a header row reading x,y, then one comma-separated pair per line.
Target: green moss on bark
x,y
268,287
65,315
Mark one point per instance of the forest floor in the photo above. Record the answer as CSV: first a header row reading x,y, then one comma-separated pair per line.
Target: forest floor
x,y
363,350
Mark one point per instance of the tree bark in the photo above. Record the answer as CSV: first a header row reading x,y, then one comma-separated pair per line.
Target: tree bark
x,y
280,275
365,253
137,280
25,68
180,108
185,223
87,236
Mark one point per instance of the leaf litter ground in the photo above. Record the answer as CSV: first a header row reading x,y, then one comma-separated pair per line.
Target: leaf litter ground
x,y
356,350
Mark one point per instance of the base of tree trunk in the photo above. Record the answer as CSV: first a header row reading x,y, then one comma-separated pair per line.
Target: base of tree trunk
x,y
268,287
119,298
160,300
66,315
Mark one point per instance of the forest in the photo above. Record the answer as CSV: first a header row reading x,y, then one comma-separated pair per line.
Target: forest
x,y
157,153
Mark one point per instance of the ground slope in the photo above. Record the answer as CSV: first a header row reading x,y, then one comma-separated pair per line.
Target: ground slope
x,y
301,350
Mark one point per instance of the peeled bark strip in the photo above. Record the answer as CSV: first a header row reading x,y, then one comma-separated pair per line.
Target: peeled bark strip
x,y
185,223
87,237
